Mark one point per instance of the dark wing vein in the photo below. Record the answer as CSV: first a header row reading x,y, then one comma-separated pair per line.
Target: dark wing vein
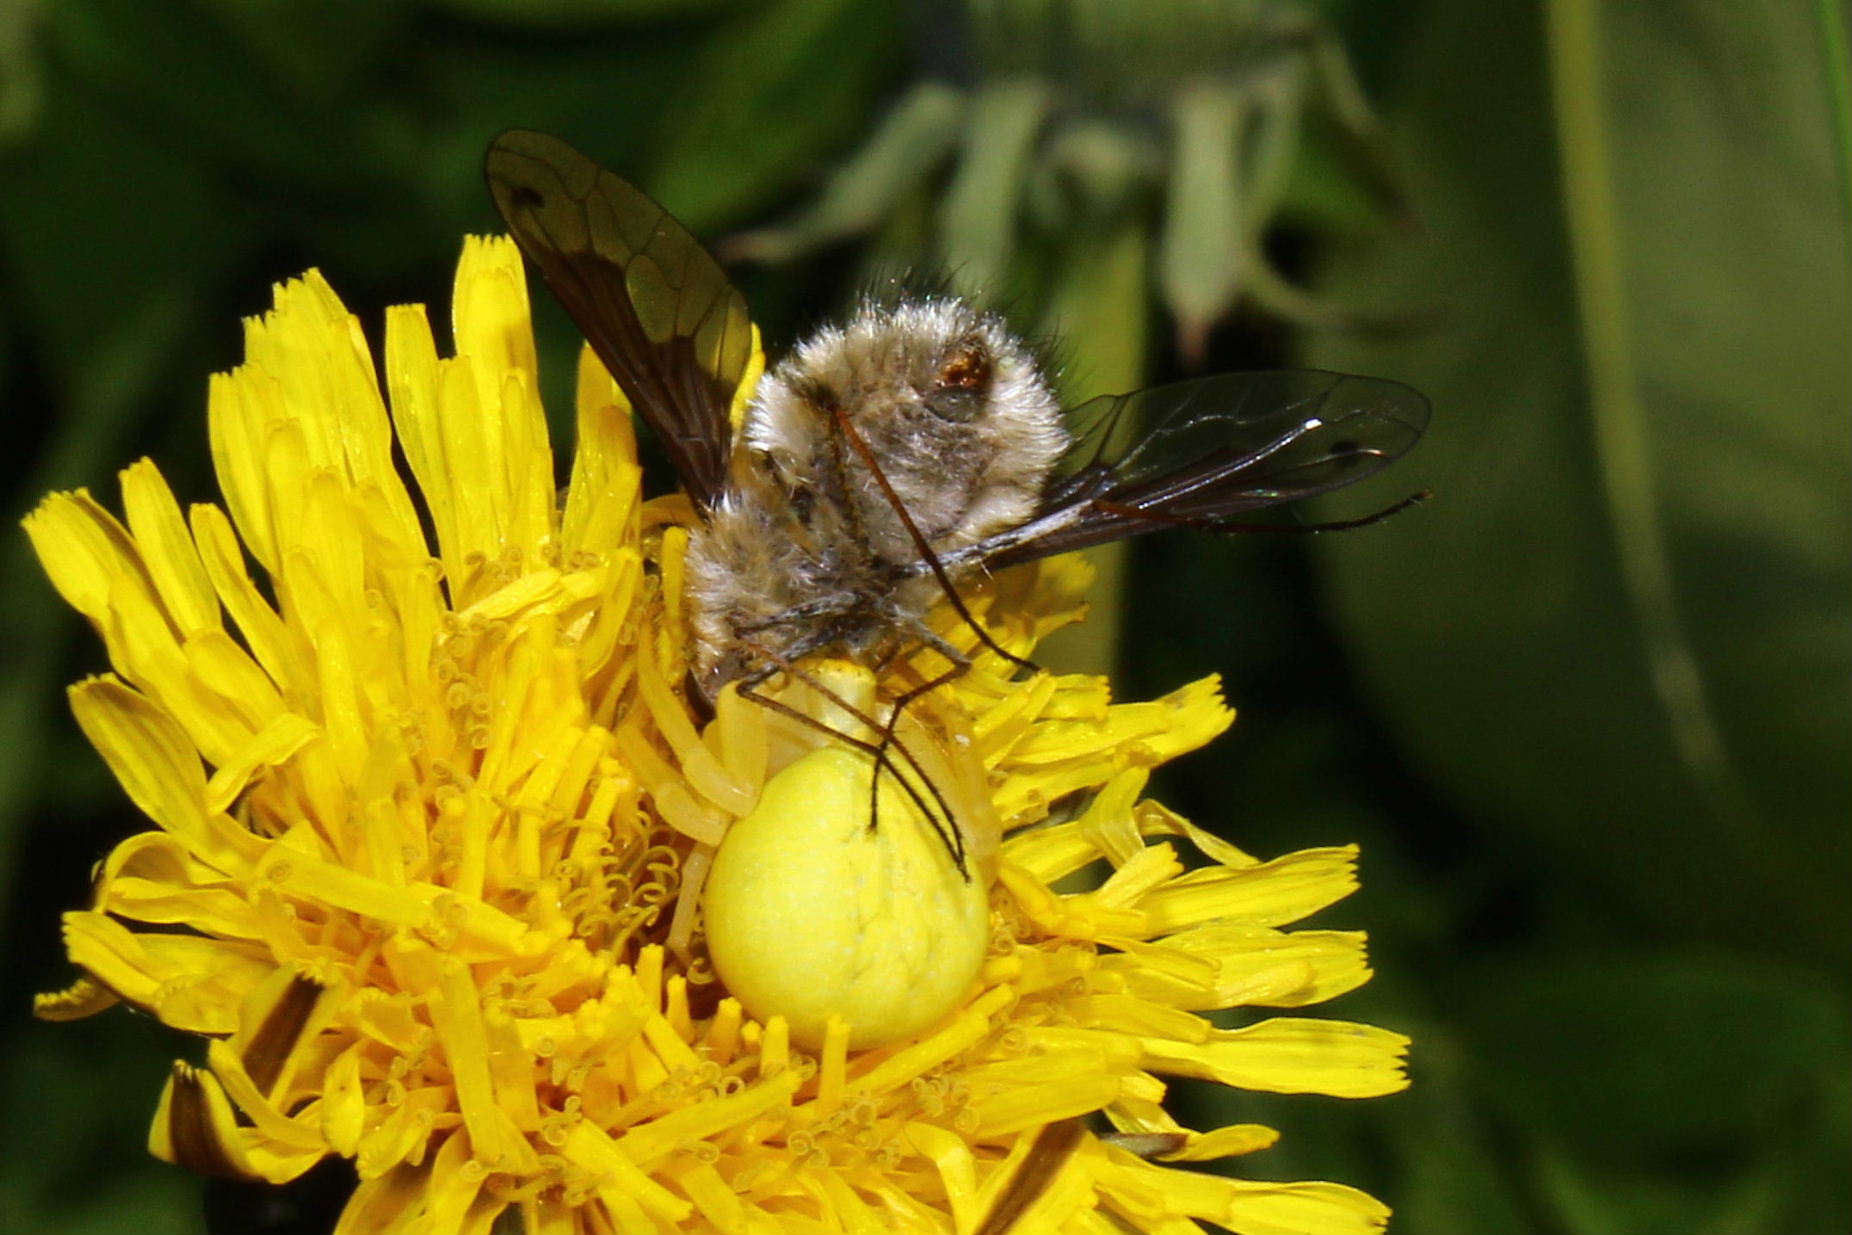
x,y
655,306
1202,453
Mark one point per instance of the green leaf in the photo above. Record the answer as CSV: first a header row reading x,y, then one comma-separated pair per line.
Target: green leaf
x,y
576,15
904,149
1655,1091
107,241
1619,630
71,1100
199,81
321,51
1646,1058
983,205
1452,1179
1206,226
774,91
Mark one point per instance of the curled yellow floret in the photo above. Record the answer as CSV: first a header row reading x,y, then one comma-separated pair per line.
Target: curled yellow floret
x,y
430,807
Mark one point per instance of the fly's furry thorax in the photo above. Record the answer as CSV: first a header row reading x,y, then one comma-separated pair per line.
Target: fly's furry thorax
x,y
806,548
946,399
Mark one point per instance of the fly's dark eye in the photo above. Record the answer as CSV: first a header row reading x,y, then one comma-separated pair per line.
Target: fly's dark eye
x,y
963,380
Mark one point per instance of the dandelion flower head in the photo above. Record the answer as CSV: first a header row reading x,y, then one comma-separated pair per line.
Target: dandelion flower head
x,y
425,790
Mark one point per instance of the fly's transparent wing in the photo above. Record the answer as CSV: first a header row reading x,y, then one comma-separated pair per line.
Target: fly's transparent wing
x,y
654,305
1204,453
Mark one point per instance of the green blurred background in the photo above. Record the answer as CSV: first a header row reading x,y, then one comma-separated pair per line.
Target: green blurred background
x,y
1587,711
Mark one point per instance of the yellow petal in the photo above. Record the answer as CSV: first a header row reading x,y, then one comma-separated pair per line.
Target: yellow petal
x,y
159,768
1283,890
1248,1207
1292,1055
620,1174
84,997
196,1127
411,368
601,503
270,641
86,553
279,741
456,1014
167,549
489,310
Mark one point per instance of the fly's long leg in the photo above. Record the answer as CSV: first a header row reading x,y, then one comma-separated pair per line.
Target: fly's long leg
x,y
920,543
960,665
930,802
833,605
890,736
